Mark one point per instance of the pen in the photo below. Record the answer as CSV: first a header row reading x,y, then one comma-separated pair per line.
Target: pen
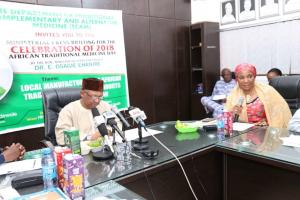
x,y
34,163
111,171
134,155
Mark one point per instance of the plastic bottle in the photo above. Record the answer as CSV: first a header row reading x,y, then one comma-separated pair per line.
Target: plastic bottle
x,y
228,125
48,169
220,123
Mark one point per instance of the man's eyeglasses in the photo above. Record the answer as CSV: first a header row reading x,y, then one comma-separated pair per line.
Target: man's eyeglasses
x,y
94,97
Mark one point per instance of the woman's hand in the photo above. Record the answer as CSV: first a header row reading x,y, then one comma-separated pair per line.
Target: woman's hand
x,y
237,110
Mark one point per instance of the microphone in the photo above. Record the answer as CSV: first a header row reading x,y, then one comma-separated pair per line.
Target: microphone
x,y
100,123
138,116
120,116
240,103
110,120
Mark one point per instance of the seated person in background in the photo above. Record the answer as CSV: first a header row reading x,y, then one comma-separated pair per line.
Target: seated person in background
x,y
222,88
294,124
273,72
78,114
262,104
12,153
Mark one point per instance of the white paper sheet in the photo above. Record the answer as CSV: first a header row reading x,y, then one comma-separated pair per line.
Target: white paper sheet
x,y
103,198
20,166
8,193
237,126
219,97
292,141
132,134
200,123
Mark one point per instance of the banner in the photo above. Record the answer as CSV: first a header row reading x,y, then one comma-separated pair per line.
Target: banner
x,y
44,47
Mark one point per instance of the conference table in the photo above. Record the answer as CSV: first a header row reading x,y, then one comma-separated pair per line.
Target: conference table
x,y
253,164
263,163
161,178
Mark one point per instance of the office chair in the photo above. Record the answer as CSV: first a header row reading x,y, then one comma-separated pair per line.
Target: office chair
x,y
289,88
53,101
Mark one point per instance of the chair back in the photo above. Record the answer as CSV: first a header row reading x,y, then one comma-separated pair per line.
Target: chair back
x,y
53,101
289,88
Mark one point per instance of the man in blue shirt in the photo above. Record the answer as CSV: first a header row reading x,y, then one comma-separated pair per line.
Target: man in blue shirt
x,y
215,102
12,153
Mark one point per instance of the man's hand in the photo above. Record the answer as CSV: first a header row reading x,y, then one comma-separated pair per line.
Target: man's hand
x,y
13,152
22,150
95,136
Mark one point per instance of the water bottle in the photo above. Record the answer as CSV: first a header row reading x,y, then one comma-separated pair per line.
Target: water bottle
x,y
220,123
228,125
48,169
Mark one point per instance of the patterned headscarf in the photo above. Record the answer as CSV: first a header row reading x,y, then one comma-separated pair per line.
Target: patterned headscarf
x,y
245,67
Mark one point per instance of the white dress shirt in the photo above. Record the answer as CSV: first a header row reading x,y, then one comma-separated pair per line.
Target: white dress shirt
x,y
294,124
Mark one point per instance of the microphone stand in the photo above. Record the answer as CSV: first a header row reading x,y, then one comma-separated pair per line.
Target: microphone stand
x,y
104,154
114,143
114,137
123,128
140,143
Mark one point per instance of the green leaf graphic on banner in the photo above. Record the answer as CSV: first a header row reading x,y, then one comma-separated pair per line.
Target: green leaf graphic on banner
x,y
2,91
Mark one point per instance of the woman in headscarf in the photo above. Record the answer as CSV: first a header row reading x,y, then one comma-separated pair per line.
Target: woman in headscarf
x,y
261,105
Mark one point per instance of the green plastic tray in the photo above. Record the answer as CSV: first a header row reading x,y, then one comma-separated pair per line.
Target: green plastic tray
x,y
186,129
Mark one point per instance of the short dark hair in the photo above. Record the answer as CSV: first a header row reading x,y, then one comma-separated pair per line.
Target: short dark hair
x,y
225,70
275,70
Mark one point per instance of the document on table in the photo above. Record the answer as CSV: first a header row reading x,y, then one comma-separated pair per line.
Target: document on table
x,y
292,141
103,198
237,126
219,97
8,193
201,123
20,166
132,134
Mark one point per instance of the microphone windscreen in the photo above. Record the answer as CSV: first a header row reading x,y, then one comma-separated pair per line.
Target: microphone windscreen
x,y
102,129
131,107
241,100
112,122
95,112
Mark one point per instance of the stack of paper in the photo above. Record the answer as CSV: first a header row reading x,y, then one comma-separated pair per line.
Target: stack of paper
x,y
20,166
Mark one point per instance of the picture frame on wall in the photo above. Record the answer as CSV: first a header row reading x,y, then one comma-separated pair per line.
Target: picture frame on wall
x,y
247,10
290,6
268,8
228,12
